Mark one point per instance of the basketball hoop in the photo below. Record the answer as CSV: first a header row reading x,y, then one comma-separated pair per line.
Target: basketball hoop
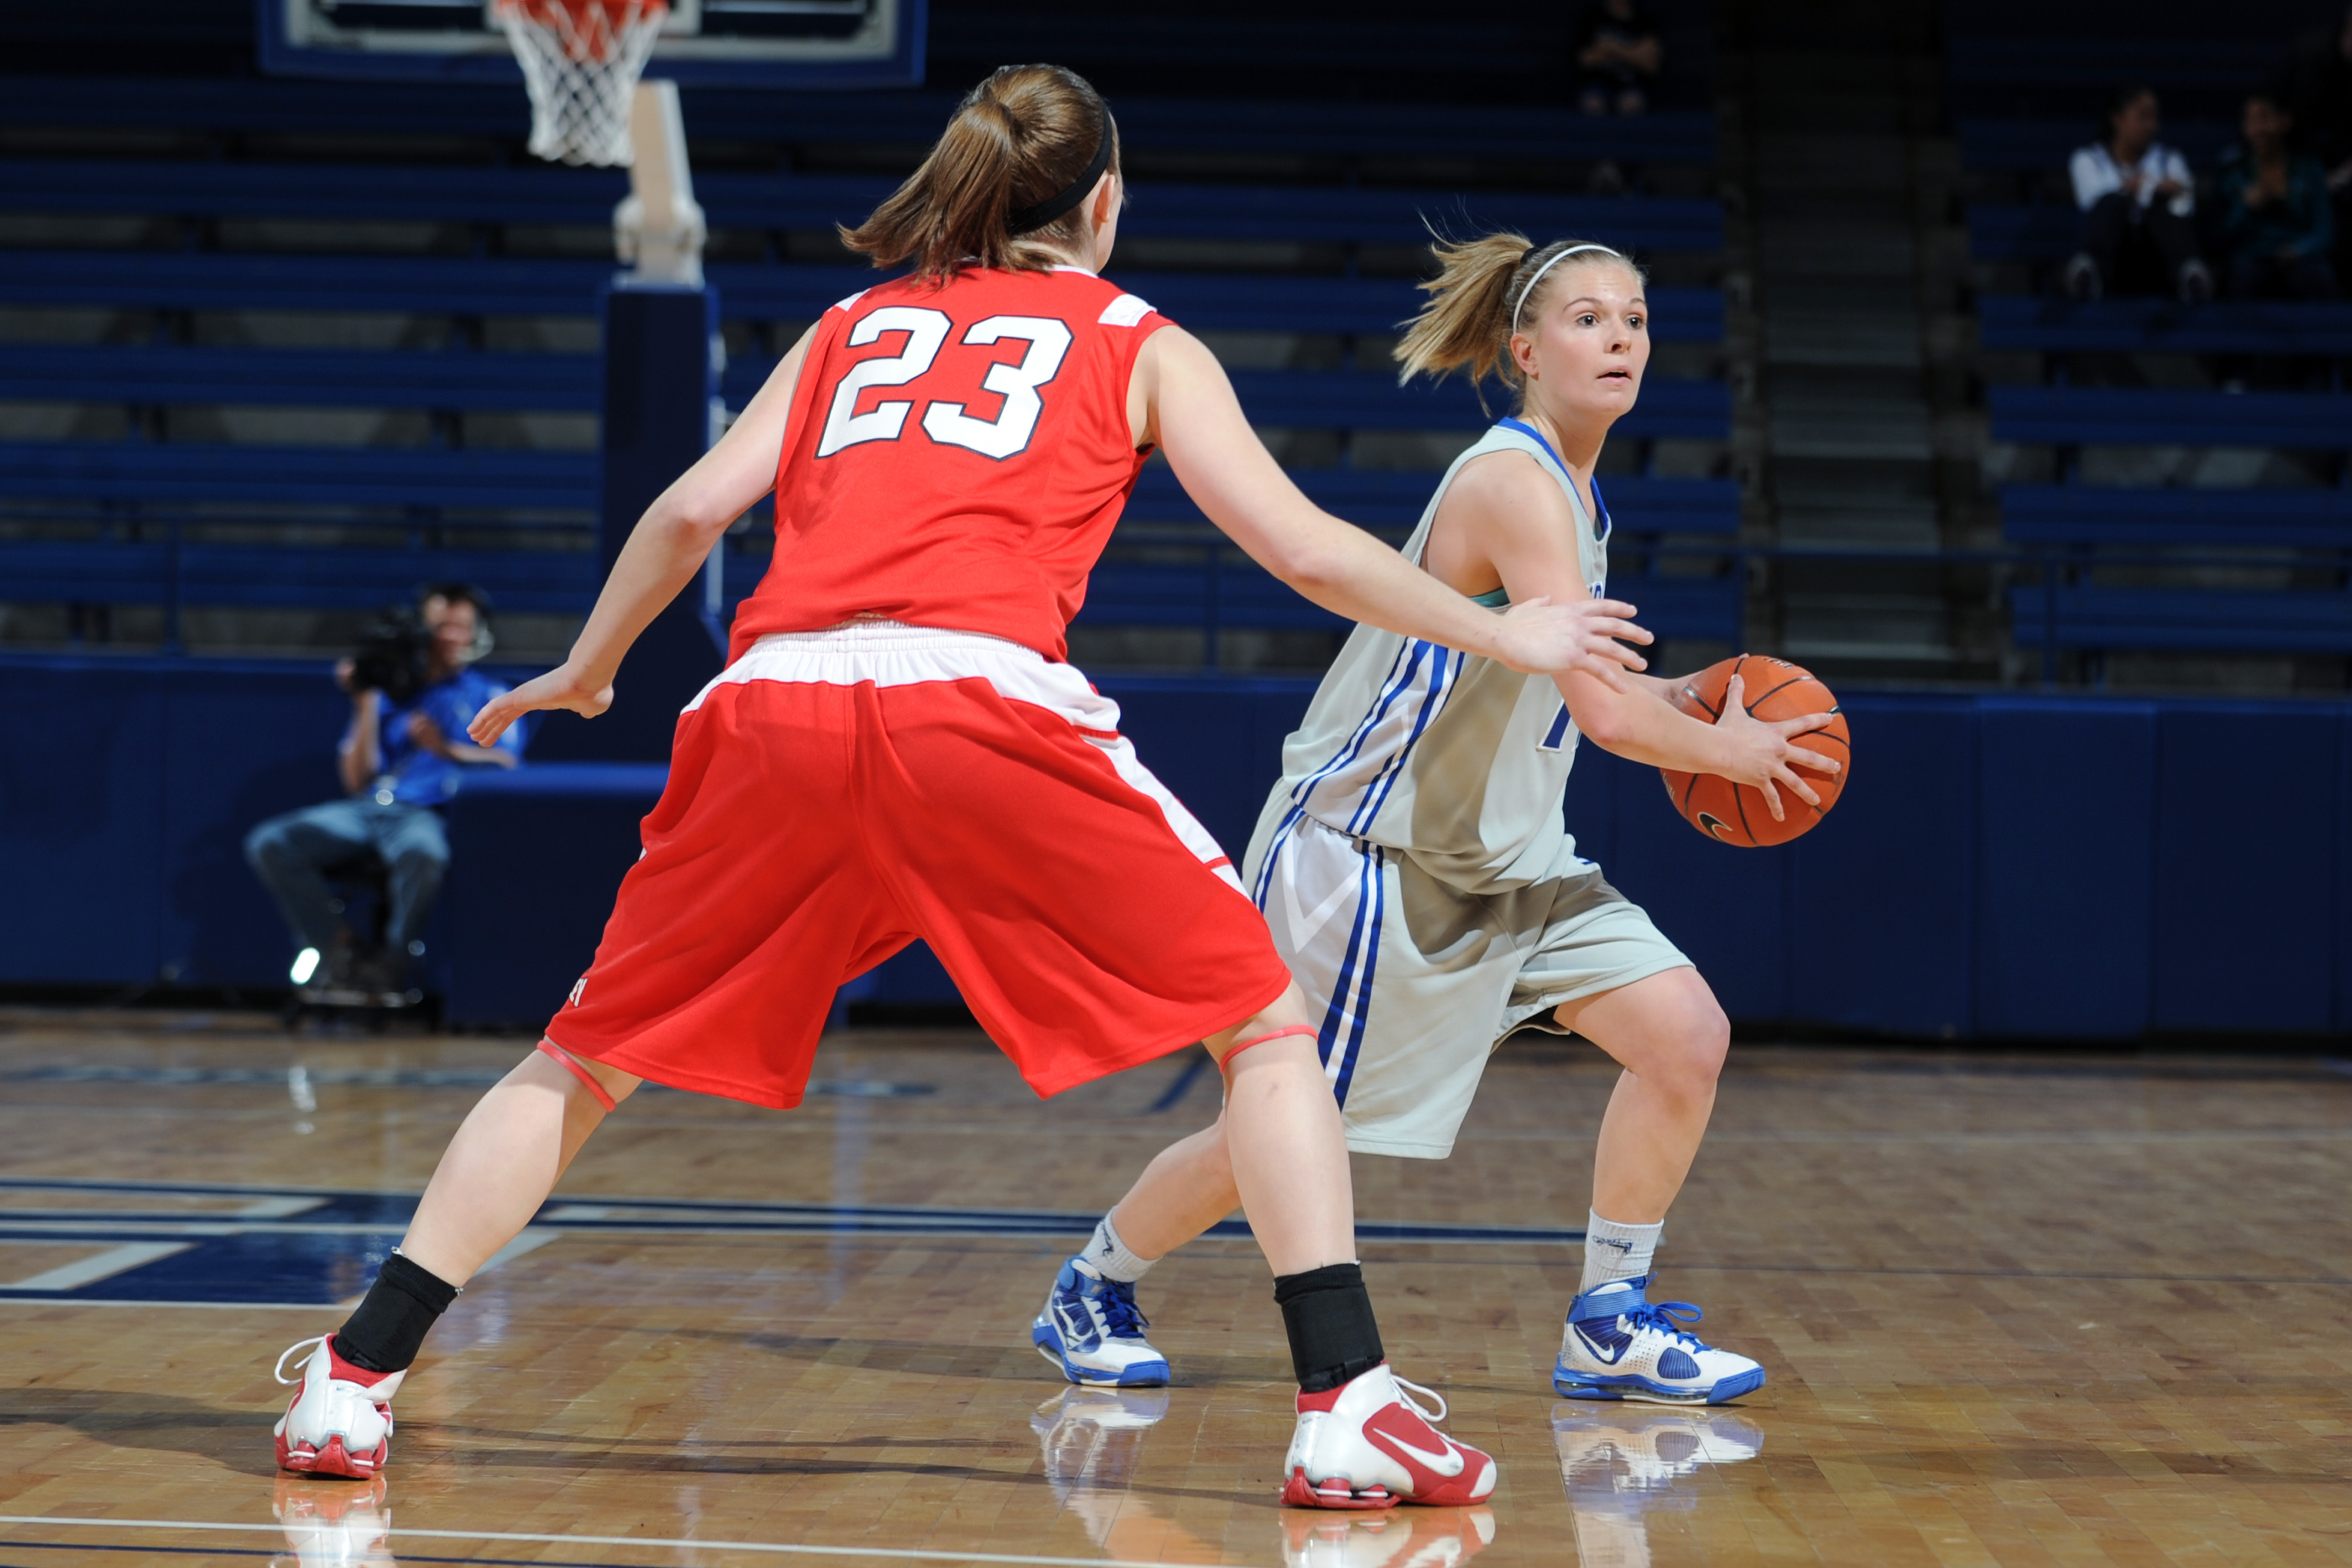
x,y
581,59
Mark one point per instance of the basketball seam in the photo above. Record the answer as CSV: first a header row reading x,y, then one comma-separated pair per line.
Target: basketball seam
x,y
1776,691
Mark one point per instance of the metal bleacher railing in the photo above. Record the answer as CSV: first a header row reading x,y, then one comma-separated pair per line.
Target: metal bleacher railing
x,y
175,523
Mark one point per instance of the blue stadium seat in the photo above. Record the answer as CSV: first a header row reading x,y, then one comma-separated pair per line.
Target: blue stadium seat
x,y
2095,515
909,119
2038,231
2042,146
445,379
261,576
555,485
2080,525
499,286
2167,417
2314,329
539,195
1395,500
458,379
2182,619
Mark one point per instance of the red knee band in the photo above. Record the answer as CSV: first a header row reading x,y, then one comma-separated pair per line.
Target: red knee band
x,y
1241,1046
583,1074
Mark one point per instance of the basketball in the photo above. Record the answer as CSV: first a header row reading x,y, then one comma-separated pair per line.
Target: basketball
x,y
1775,689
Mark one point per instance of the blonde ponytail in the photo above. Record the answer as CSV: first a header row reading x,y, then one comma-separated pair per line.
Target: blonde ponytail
x,y
1017,142
1482,287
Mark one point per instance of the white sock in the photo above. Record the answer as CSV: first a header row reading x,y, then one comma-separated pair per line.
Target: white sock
x,y
1110,1257
1613,1251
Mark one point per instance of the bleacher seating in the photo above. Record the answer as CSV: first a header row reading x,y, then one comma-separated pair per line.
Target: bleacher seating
x,y
507,286
146,521
524,195
903,119
2077,416
2041,146
2077,529
2293,328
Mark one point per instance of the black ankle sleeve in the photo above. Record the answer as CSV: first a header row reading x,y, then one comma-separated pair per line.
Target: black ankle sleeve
x,y
389,1326
1328,1316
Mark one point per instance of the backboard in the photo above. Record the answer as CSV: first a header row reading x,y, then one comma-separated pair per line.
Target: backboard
x,y
706,43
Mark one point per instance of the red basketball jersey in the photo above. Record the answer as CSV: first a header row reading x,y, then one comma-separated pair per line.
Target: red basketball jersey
x,y
956,458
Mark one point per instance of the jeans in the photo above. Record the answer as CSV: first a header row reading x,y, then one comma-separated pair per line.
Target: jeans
x,y
2128,242
292,854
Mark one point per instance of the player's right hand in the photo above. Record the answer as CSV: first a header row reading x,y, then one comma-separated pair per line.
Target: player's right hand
x,y
1764,750
562,687
1539,637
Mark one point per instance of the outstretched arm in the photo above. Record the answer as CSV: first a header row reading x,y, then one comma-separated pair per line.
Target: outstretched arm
x,y
1506,513
664,551
1189,407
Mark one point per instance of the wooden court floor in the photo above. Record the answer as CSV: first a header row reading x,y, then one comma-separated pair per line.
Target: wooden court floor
x,y
2015,1309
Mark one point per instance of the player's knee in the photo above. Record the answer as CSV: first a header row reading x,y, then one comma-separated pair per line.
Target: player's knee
x,y
1700,1038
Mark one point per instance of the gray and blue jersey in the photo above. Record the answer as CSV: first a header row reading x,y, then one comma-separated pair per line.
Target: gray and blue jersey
x,y
1458,762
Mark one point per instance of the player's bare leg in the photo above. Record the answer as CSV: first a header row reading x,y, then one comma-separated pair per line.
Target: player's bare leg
x,y
513,1147
1363,1440
497,1172
1668,1033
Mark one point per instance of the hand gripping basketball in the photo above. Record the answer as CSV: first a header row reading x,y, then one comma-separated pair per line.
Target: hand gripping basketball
x,y
1801,751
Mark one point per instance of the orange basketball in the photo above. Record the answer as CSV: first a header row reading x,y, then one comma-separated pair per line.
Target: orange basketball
x,y
1774,690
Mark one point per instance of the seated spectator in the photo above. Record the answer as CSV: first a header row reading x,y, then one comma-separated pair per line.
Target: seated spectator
x,y
1618,55
2137,200
2278,225
400,760
2316,91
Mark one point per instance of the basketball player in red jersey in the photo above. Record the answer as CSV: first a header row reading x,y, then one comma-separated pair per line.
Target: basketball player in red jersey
x,y
897,749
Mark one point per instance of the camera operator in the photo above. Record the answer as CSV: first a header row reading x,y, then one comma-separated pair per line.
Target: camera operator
x,y
413,693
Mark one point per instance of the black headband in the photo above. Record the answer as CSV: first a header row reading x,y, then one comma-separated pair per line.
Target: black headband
x,y
1023,220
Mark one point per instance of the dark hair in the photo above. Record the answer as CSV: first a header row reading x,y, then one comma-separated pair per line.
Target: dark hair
x,y
1017,142
456,593
2123,98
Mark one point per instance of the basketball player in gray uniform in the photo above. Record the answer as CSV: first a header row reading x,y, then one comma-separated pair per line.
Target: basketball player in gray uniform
x,y
1413,865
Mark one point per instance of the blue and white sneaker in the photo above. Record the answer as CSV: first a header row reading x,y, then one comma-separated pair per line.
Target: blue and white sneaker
x,y
1621,1345
1090,1329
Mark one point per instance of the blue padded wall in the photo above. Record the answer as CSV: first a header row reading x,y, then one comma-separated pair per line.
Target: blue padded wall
x,y
2004,865
2066,819
1879,933
2249,808
81,824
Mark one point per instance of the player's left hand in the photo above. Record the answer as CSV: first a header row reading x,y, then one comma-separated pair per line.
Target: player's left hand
x,y
562,687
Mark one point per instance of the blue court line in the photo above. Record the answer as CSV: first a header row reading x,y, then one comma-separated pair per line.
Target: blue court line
x,y
320,1245
1194,1067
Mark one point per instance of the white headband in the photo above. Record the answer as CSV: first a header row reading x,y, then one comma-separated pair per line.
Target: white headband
x,y
1547,267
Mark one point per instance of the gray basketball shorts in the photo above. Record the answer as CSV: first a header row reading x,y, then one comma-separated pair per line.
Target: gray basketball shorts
x,y
1413,982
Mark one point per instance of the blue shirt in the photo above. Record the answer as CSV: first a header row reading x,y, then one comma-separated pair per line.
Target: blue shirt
x,y
410,775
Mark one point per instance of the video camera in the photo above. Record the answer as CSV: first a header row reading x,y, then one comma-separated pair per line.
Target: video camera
x,y
393,655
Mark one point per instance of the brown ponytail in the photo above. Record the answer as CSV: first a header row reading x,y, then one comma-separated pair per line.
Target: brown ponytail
x,y
1017,140
1481,284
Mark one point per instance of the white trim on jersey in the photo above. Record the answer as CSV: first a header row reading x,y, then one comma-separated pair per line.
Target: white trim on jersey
x,y
1127,310
890,652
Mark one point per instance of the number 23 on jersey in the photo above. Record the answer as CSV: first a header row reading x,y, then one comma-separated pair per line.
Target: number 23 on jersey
x,y
1017,381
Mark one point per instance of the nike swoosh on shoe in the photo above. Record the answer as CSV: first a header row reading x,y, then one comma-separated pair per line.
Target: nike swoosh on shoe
x,y
1445,1466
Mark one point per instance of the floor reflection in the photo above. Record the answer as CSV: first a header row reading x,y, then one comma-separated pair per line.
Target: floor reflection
x,y
1400,1538
332,1523
1624,1463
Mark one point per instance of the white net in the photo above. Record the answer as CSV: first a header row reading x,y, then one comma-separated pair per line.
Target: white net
x,y
581,59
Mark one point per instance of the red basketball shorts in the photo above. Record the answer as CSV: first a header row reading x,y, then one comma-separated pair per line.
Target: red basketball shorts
x,y
835,795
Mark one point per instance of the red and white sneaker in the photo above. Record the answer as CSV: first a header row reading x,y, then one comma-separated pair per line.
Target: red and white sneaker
x,y
1369,1444
339,1422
